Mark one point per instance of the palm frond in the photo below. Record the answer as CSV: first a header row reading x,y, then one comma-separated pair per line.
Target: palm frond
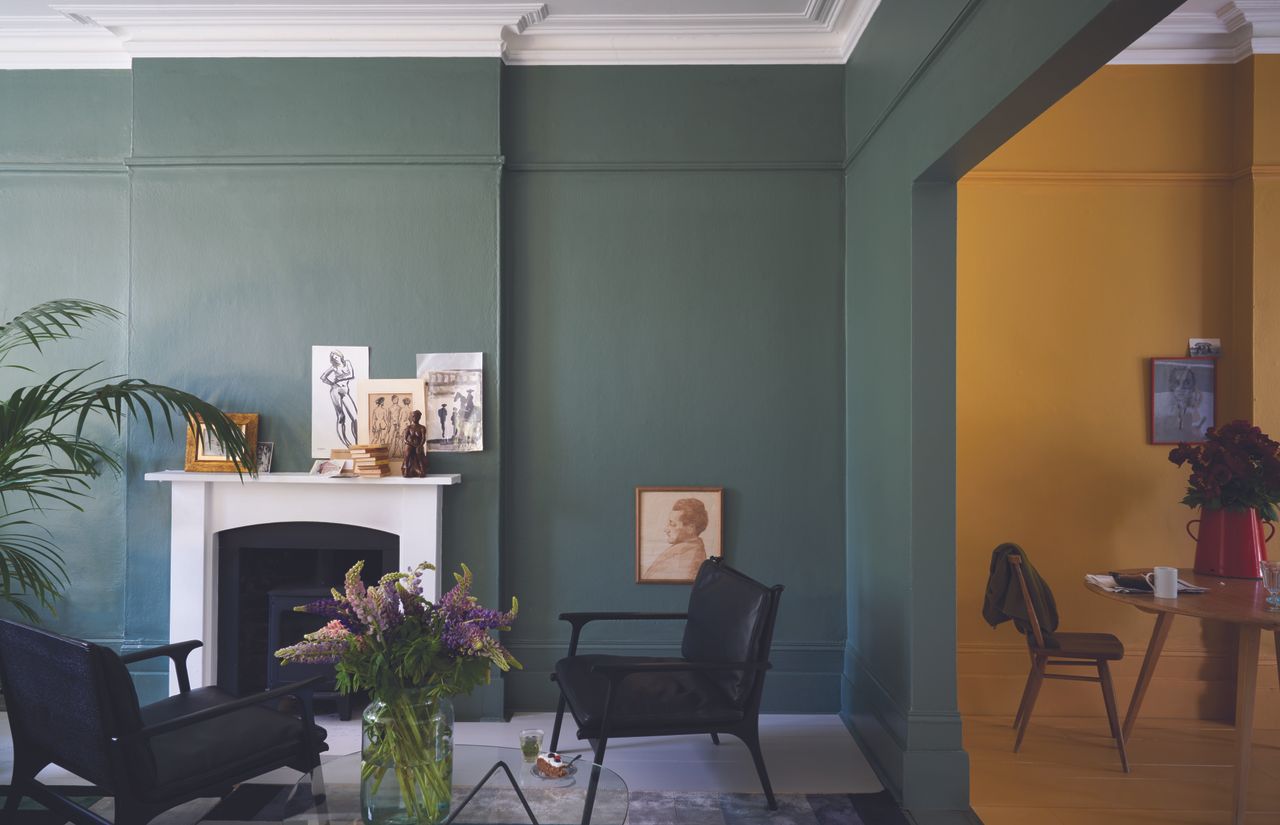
x,y
47,459
50,321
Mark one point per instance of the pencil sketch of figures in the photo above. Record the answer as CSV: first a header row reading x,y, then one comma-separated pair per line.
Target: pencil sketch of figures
x,y
386,408
455,392
336,373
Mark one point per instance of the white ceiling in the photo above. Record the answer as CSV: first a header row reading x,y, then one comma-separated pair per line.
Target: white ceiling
x,y
110,33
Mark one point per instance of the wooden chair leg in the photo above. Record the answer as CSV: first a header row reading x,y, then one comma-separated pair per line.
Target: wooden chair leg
x,y
751,737
1109,697
555,731
1033,688
12,801
1026,691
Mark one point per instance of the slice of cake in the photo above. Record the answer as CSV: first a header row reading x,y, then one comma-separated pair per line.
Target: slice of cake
x,y
551,765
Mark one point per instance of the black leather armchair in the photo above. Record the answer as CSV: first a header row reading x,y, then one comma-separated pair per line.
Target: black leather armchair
x,y
713,687
72,703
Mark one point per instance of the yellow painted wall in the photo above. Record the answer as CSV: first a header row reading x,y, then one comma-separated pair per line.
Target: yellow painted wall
x,y
1099,236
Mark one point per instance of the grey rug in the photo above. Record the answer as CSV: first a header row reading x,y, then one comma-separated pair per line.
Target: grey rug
x,y
254,803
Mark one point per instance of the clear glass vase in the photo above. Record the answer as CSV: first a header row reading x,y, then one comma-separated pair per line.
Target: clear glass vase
x,y
406,770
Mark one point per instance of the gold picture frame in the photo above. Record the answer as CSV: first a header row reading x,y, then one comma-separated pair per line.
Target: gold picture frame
x,y
673,526
204,455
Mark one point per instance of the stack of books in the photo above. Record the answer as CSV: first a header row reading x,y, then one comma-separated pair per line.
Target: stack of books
x,y
372,460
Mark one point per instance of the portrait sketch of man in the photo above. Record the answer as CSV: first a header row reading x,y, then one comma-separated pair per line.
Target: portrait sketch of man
x,y
677,529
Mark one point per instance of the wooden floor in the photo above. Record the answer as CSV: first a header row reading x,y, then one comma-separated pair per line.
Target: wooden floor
x,y
1068,773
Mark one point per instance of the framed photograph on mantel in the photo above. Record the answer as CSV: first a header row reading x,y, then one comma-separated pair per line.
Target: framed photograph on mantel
x,y
207,455
677,529
1183,397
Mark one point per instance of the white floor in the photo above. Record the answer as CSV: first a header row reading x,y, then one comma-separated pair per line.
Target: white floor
x,y
804,754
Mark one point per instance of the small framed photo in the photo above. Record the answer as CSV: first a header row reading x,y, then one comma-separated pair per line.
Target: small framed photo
x,y
205,454
385,408
331,467
1183,399
1204,346
265,450
677,529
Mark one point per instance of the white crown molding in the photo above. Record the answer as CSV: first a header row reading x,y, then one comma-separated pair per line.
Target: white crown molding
x,y
109,35
309,30
32,42
1235,31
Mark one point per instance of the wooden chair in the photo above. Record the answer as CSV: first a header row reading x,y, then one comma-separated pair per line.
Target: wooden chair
x,y
714,687
1074,650
72,703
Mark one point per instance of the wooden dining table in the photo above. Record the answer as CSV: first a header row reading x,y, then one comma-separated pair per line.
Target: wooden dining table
x,y
1238,602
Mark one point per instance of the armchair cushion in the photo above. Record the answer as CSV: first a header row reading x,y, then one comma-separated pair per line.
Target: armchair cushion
x,y
189,755
645,700
728,613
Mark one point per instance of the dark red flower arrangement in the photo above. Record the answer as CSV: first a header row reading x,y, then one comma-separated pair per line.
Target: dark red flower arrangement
x,y
1236,468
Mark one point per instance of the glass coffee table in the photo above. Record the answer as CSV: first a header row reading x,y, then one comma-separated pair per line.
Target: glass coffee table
x,y
482,793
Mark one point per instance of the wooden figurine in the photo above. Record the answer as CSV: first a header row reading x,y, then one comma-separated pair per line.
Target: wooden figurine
x,y
415,439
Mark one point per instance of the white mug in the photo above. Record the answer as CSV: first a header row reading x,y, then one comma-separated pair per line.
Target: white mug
x,y
1165,582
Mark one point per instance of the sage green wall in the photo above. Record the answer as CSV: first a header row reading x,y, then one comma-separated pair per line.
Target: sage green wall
x,y
64,218
278,204
672,316
672,304
933,86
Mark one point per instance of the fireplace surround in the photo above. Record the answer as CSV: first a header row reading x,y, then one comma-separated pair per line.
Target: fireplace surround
x,y
204,505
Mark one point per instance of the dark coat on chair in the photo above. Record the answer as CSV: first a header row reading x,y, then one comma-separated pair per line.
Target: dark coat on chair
x,y
1004,598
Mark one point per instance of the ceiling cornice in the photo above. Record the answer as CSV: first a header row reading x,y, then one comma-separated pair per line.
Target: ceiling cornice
x,y
1237,29
110,35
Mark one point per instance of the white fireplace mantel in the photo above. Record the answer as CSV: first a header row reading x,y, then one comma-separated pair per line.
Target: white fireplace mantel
x,y
204,504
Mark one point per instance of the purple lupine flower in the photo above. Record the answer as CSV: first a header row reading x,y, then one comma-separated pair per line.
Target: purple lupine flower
x,y
333,609
324,646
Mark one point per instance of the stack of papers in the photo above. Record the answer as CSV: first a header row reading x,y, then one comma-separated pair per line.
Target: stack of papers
x,y
1108,582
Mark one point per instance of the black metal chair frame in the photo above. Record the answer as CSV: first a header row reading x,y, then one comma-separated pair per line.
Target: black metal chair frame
x,y
747,729
130,807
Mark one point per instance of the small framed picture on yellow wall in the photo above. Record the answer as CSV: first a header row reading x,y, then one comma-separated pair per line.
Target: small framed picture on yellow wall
x,y
206,454
1183,395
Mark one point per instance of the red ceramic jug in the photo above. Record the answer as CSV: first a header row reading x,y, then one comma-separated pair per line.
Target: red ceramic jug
x,y
1230,543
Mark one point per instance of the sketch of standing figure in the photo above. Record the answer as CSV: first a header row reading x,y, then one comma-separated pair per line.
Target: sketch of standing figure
x,y
379,423
338,377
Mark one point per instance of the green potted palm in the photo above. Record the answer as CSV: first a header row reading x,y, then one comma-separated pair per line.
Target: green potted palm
x,y
46,458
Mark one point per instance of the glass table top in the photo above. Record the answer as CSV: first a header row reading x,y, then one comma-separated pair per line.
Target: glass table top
x,y
553,801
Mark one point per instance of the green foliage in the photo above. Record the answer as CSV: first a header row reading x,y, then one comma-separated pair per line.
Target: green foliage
x,y
46,460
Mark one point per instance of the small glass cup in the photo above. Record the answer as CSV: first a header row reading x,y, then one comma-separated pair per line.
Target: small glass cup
x,y
1271,581
531,744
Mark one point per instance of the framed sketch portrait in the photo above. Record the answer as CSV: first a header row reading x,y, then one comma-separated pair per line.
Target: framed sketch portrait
x,y
207,455
677,529
1183,397
386,407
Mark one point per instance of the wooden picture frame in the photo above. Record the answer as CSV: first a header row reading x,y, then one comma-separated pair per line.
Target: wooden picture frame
x,y
384,423
204,455
1183,398
677,528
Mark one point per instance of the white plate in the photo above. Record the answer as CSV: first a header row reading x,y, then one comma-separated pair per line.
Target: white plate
x,y
554,781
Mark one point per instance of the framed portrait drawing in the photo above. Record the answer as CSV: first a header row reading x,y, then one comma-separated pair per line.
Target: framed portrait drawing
x,y
386,407
1183,399
207,455
677,529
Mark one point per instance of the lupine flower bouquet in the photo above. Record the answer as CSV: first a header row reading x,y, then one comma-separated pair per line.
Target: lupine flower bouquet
x,y
409,654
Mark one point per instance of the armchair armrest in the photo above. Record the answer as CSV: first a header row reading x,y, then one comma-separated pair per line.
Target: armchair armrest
x,y
302,690
578,620
610,668
178,652
583,618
